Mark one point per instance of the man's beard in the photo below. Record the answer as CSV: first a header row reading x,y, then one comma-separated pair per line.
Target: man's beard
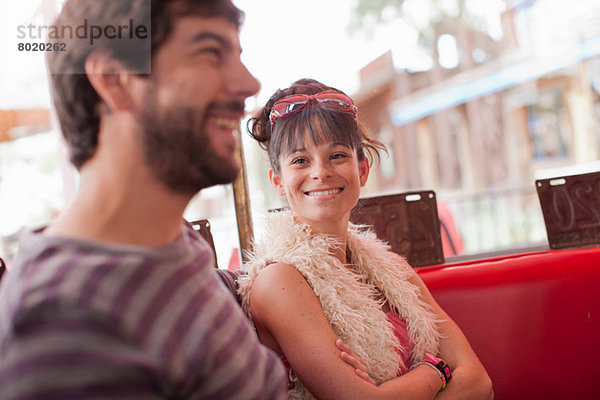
x,y
178,151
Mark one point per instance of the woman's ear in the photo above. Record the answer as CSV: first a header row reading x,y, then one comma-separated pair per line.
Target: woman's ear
x,y
110,79
275,179
363,171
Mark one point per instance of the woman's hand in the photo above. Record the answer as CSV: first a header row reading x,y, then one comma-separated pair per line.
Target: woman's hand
x,y
350,358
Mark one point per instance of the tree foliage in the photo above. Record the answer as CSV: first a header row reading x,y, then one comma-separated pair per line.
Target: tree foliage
x,y
442,15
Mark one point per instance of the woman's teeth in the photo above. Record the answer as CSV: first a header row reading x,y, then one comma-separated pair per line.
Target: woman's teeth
x,y
324,192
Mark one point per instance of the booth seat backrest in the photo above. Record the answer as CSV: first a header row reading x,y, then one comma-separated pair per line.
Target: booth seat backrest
x,y
533,320
230,280
2,267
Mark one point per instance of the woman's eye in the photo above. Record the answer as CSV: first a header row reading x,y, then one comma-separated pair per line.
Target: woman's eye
x,y
338,156
299,160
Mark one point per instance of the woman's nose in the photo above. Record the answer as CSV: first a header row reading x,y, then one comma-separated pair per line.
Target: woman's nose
x,y
320,170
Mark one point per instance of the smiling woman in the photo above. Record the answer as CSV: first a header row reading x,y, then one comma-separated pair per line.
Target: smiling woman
x,y
313,277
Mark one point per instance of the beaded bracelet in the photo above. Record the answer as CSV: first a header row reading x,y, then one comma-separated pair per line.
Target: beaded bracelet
x,y
440,365
442,377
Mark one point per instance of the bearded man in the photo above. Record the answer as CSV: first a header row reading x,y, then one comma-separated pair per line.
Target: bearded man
x,y
118,298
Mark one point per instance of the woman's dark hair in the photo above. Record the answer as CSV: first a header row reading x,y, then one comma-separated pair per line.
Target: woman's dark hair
x,y
75,99
322,125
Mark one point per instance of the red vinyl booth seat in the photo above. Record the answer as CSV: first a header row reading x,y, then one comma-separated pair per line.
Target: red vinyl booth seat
x,y
533,319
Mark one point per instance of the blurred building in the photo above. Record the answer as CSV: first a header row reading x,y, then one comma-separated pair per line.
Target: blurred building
x,y
509,111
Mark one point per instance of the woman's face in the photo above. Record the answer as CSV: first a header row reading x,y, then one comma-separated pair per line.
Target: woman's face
x,y
321,182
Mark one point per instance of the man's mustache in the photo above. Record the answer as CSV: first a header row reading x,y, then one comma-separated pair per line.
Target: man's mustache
x,y
233,105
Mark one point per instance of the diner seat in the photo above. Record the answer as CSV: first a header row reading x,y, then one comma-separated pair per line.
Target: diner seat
x,y
228,277
532,318
230,280
409,222
202,226
2,267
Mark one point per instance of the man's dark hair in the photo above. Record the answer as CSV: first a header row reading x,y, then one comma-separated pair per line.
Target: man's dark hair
x,y
75,99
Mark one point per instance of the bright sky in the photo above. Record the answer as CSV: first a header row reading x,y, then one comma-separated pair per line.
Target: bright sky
x,y
287,40
22,74
283,41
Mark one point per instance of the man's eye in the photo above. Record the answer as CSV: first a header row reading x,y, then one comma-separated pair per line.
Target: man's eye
x,y
213,52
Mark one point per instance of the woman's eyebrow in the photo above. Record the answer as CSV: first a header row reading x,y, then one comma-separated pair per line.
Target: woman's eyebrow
x,y
298,150
336,144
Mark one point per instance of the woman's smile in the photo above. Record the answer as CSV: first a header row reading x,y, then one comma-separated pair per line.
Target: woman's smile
x,y
323,193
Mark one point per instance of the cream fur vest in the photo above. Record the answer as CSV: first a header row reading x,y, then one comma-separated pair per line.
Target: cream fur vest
x,y
348,297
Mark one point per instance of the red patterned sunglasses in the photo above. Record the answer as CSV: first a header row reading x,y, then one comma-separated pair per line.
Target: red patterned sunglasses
x,y
296,102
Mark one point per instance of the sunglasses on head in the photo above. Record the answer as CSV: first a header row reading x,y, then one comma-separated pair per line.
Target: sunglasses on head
x,y
292,104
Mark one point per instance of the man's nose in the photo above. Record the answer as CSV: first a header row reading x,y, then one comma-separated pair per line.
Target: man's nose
x,y
242,82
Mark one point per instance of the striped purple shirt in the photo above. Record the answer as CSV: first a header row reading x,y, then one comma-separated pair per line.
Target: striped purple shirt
x,y
86,320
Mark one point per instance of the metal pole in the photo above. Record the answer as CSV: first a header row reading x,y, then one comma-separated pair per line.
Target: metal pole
x,y
242,202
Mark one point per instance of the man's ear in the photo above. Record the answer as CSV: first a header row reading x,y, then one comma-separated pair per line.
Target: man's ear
x,y
275,179
363,171
110,79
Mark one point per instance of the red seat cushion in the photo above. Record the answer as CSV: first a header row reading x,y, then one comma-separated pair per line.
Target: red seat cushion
x,y
533,319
